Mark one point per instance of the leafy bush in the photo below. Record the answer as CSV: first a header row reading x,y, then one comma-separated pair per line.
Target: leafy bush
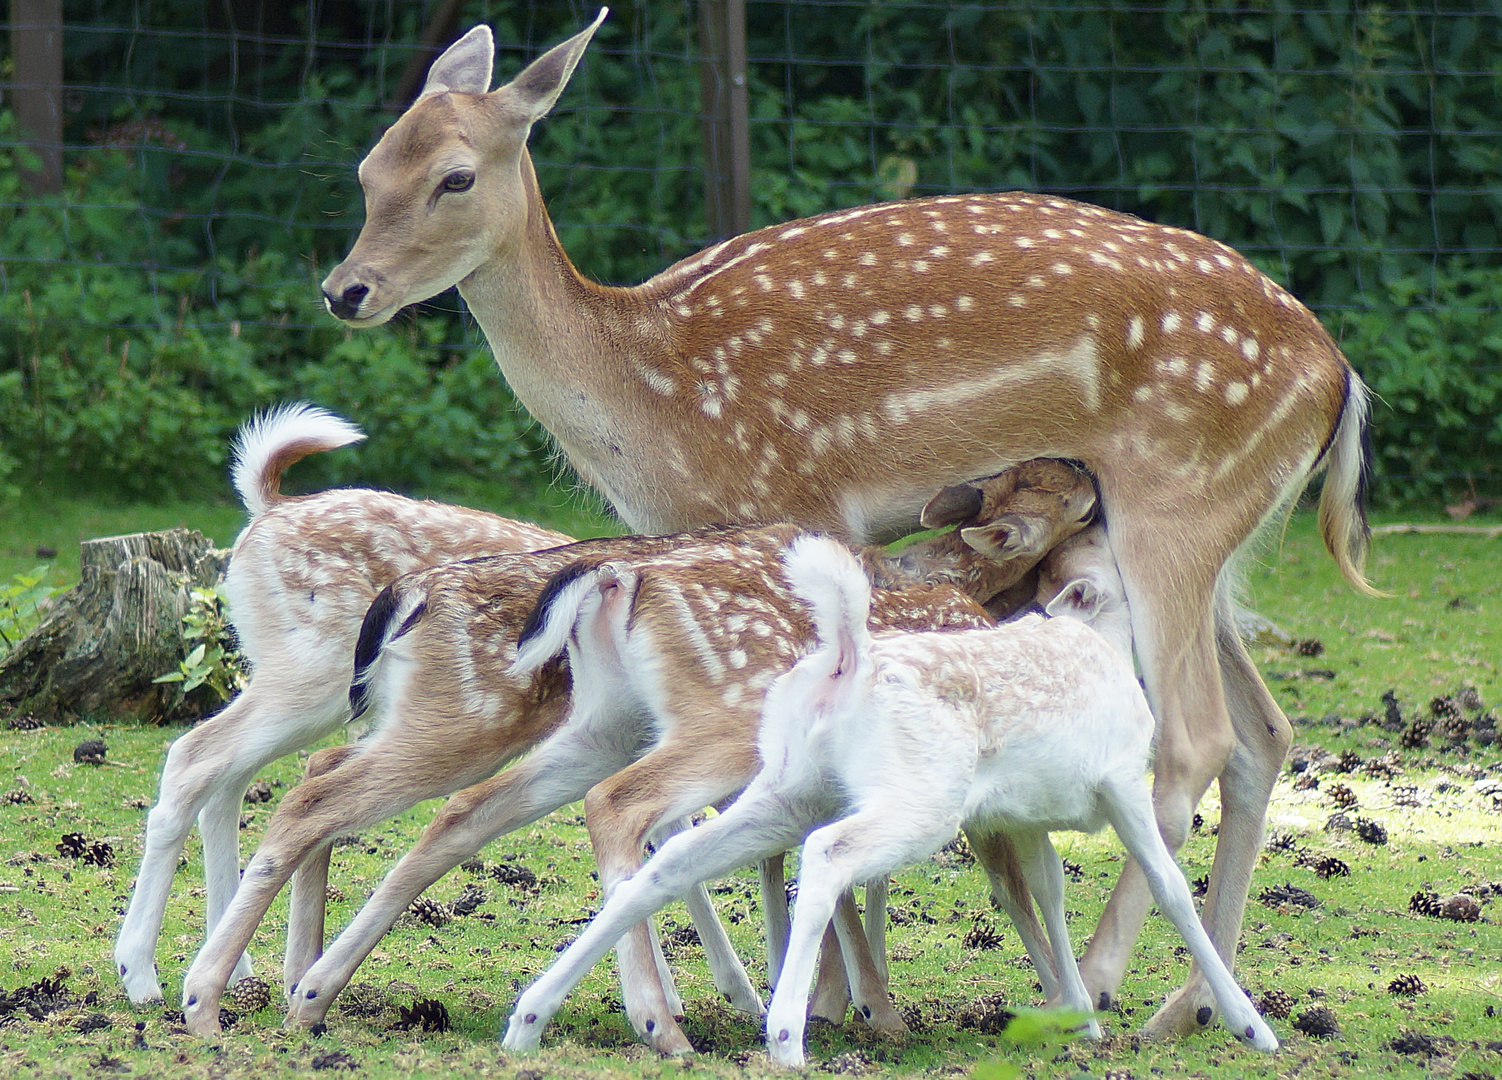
x,y
1430,347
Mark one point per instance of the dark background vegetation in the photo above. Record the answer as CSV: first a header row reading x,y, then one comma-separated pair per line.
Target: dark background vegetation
x,y
1354,151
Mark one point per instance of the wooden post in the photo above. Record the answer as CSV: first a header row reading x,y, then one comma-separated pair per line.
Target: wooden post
x,y
36,48
727,128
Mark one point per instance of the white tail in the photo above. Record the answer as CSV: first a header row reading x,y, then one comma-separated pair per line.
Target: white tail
x,y
835,371
271,442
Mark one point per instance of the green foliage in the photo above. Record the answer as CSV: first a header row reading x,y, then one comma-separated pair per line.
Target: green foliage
x,y
1430,347
1038,1033
212,660
20,605
172,288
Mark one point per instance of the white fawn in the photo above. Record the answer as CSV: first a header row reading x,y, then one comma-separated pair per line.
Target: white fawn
x,y
301,576
876,749
837,370
434,663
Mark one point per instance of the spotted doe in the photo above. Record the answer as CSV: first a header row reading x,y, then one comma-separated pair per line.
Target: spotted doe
x,y
836,370
302,573
876,749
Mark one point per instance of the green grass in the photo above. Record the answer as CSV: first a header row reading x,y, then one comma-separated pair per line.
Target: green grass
x,y
55,912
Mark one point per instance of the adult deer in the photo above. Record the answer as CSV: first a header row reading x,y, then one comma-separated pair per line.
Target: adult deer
x,y
834,371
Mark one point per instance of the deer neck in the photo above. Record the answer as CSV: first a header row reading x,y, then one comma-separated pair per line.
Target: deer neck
x,y
943,560
559,340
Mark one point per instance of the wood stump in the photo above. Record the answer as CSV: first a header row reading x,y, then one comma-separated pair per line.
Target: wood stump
x,y
101,643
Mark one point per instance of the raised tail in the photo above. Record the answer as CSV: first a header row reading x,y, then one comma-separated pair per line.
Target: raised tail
x,y
270,443
827,577
1342,503
546,631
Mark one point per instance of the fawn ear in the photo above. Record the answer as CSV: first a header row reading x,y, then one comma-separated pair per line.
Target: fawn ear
x,y
464,66
1080,599
537,88
1003,539
952,505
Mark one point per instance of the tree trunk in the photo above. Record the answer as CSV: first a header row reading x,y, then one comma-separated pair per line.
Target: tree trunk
x,y
101,644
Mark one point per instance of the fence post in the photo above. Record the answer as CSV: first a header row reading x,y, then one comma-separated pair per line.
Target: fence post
x,y
36,48
727,130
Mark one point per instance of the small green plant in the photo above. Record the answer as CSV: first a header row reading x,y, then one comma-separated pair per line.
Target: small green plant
x,y
1037,1032
214,661
20,605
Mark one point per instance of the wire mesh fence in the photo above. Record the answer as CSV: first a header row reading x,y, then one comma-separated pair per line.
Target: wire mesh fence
x,y
1353,151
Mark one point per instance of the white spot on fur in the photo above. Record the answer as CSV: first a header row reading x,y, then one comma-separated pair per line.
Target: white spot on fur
x,y
1170,321
1134,332
1235,393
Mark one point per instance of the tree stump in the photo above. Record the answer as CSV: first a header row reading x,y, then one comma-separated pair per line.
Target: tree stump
x,y
101,643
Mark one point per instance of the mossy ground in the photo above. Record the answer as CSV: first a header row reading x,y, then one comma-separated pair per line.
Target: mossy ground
x,y
1440,632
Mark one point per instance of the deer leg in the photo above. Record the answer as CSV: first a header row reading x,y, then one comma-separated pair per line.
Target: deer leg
x,y
1045,880
831,995
868,983
558,772
730,977
1263,736
675,779
216,754
310,881
759,824
353,796
1173,631
865,845
997,855
774,903
1130,812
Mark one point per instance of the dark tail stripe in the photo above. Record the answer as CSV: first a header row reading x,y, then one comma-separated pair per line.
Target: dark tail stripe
x,y
368,647
556,584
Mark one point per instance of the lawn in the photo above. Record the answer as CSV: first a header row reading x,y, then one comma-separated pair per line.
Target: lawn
x,y
954,964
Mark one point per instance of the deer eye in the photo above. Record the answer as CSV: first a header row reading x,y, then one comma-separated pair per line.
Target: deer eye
x,y
457,181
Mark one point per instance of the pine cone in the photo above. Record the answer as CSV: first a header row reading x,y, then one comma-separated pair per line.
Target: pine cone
x,y
73,845
1385,767
19,797
1282,843
1200,886
1275,1004
251,994
1371,831
100,853
1288,895
428,1014
90,752
1443,707
468,901
1342,796
981,936
1425,903
1416,734
1406,986
1307,781
1468,697
1318,1022
259,792
1309,647
514,874
429,911
1348,761
1328,866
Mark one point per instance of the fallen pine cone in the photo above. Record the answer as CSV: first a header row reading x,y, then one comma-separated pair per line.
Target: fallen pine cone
x,y
1275,1004
1406,986
90,752
1460,908
1318,1022
1371,831
428,1014
251,994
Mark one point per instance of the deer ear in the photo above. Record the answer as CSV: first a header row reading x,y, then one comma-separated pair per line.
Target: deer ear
x,y
952,505
1079,599
1001,539
538,86
464,66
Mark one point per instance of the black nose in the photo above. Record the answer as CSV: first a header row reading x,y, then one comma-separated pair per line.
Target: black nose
x,y
348,305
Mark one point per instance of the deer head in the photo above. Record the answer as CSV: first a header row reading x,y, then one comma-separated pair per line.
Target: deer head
x,y
446,187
